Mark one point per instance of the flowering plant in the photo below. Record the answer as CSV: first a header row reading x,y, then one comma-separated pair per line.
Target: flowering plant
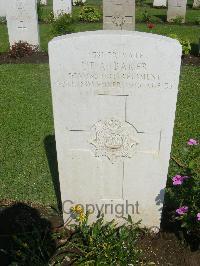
x,y
186,188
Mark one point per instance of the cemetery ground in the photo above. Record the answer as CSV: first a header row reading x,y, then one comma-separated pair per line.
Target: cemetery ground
x,y
27,147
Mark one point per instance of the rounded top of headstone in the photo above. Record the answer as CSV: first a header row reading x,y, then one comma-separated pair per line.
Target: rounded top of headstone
x,y
114,33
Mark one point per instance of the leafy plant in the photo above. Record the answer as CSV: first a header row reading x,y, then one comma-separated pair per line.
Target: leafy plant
x,y
89,14
177,20
49,19
146,17
186,189
22,49
186,46
101,243
63,24
78,3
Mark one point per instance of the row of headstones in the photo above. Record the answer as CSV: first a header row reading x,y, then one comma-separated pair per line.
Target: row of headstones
x,y
64,5
163,3
22,19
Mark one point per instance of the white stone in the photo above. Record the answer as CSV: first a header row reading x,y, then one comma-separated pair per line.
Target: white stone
x,y
176,8
160,3
3,4
22,21
119,15
43,2
114,100
62,7
196,3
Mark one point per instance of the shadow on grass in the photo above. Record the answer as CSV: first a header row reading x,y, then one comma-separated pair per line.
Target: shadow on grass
x,y
161,17
50,148
25,237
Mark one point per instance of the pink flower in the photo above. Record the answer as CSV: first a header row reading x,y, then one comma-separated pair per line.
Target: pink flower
x,y
192,142
182,210
178,179
198,216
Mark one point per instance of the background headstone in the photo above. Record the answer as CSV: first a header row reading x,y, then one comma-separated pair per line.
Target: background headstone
x,y
114,109
3,4
160,3
43,2
119,14
176,8
196,3
22,21
62,7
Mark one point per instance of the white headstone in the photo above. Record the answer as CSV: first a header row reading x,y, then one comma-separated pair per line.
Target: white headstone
x,y
119,15
22,21
196,3
114,101
3,4
176,9
62,7
160,3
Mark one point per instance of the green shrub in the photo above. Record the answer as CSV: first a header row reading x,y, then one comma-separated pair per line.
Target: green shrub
x,y
177,20
186,46
49,19
146,17
62,25
78,3
89,14
185,189
101,243
22,49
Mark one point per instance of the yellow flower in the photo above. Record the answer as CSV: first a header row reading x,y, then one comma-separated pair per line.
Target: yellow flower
x,y
79,209
73,208
82,217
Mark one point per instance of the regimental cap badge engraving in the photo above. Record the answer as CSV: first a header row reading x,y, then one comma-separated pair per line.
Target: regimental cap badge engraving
x,y
114,139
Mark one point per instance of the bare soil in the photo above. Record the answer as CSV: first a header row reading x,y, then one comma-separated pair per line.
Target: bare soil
x,y
42,57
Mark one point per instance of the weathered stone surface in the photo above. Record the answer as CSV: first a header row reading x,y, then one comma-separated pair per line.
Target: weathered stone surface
x,y
114,99
160,3
176,9
22,21
3,4
62,7
119,14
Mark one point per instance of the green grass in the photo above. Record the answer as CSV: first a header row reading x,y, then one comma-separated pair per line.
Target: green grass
x,y
191,33
27,126
26,120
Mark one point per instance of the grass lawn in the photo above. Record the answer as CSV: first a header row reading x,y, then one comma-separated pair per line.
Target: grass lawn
x,y
191,33
26,129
